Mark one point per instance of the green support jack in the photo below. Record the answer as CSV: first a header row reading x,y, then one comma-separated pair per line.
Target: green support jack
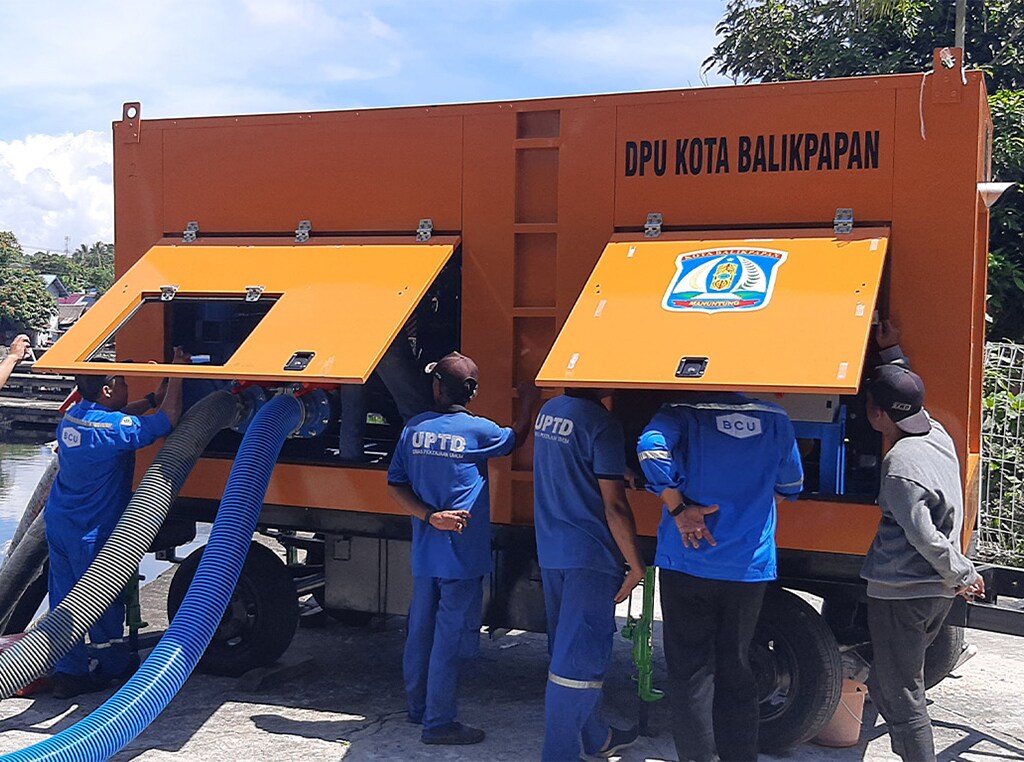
x,y
640,630
133,612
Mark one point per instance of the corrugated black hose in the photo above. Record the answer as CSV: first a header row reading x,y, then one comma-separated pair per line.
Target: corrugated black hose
x,y
20,592
21,569
55,634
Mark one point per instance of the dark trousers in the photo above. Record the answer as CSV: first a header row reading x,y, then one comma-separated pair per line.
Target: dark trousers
x,y
708,626
901,632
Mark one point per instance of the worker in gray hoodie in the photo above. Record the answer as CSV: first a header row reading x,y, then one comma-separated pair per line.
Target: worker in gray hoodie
x,y
915,566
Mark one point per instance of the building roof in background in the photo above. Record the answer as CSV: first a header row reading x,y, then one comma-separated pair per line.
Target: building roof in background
x,y
54,285
67,314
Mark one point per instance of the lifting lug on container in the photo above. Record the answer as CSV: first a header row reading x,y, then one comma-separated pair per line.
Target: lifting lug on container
x,y
253,293
167,293
424,230
303,230
652,228
190,232
843,222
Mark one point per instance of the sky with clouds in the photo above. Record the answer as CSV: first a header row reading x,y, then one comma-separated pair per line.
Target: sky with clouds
x,y
65,70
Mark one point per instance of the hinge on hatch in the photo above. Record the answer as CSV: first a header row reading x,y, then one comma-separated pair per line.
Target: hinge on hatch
x,y
425,229
253,293
167,293
652,228
190,232
303,230
843,222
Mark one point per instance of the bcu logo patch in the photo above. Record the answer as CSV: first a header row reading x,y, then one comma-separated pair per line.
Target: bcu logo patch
x,y
739,279
739,425
70,437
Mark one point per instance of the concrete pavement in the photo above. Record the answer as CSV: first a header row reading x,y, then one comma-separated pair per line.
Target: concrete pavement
x,y
339,695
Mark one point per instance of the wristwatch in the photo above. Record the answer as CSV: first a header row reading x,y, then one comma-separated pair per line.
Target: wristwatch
x,y
673,512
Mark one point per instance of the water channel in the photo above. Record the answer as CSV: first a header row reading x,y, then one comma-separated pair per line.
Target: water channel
x,y
21,465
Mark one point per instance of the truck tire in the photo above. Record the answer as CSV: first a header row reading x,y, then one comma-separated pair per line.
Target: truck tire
x,y
942,654
848,622
260,619
798,669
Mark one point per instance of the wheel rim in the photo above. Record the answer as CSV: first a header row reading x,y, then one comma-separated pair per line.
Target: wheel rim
x,y
240,616
774,663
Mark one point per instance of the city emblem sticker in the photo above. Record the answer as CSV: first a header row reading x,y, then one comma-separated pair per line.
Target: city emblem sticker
x,y
735,279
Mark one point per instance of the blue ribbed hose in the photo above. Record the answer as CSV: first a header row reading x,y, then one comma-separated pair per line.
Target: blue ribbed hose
x,y
118,560
129,711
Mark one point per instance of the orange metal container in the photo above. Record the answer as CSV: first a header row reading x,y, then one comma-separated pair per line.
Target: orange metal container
x,y
536,191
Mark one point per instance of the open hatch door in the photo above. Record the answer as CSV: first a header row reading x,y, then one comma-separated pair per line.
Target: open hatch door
x,y
770,311
301,313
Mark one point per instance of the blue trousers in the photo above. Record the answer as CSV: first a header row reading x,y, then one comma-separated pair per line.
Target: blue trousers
x,y
444,630
70,556
580,607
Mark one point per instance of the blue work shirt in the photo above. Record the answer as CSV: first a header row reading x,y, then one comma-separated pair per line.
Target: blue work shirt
x,y
576,442
732,451
443,457
96,453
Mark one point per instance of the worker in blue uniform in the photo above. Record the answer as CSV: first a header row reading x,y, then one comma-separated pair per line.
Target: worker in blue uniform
x,y
97,440
719,461
585,536
439,475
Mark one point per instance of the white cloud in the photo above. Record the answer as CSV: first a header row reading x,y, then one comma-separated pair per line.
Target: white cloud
x,y
66,68
53,186
655,52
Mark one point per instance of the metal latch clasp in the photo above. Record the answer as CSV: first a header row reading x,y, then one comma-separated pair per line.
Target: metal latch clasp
x,y
843,222
302,231
167,293
424,230
191,231
253,293
652,228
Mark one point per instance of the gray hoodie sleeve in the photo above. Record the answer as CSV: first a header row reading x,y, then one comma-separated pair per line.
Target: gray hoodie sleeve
x,y
907,501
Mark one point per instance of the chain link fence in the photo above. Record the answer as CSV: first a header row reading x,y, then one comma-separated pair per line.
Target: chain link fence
x,y
1000,535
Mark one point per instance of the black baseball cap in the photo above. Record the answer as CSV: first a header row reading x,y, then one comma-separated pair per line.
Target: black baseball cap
x,y
91,384
900,393
458,374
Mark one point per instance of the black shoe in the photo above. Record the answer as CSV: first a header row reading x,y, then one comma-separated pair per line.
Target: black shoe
x,y
454,734
618,741
67,686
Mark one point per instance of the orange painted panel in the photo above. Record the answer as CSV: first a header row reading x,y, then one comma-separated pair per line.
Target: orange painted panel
x,y
355,171
815,525
345,303
789,311
776,155
827,527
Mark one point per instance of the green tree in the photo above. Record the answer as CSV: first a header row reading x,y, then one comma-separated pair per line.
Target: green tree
x,y
10,249
96,264
773,40
88,267
70,271
24,301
